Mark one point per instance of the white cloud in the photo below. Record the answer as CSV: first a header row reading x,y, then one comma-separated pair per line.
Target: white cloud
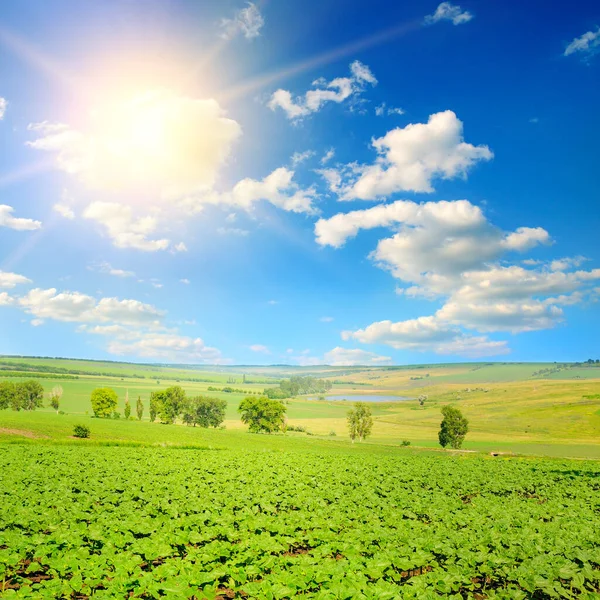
x,y
327,156
259,348
326,319
450,250
158,142
273,302
184,281
3,105
81,308
7,220
447,11
5,299
411,157
345,357
278,188
37,322
133,328
64,210
426,334
300,157
180,247
11,280
587,44
383,110
247,22
125,230
105,267
168,346
569,262
337,90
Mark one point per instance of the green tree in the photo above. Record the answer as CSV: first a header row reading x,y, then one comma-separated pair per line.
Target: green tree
x,y
55,396
360,421
127,410
7,393
262,414
139,408
453,429
205,411
167,404
29,395
104,402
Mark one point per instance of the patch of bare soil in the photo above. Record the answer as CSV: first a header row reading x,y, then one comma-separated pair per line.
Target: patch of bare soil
x,y
22,432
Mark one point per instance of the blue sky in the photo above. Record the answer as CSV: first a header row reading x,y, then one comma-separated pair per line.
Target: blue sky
x,y
331,182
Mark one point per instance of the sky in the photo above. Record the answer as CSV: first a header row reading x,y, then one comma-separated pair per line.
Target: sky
x,y
341,182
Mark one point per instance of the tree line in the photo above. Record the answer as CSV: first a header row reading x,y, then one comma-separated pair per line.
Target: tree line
x,y
27,395
297,385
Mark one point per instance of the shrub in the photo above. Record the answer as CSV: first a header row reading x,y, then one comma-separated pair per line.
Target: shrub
x,y
406,442
299,428
332,433
81,431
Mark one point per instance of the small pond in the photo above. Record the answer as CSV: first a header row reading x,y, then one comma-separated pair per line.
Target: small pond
x,y
368,398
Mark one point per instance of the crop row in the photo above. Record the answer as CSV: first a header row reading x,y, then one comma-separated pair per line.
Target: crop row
x,y
166,523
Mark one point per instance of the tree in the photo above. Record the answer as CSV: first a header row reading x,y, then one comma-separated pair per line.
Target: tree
x,y
55,396
360,421
7,393
453,429
29,395
104,402
167,404
262,414
204,411
422,398
127,411
139,408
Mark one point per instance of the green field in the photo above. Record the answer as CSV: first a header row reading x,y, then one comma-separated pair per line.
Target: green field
x,y
145,510
510,406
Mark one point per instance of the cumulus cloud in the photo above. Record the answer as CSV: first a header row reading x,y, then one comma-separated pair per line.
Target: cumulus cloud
x,y
76,307
160,142
247,21
278,188
133,328
450,250
410,158
447,11
167,346
337,90
19,224
586,45
3,106
123,228
426,334
11,280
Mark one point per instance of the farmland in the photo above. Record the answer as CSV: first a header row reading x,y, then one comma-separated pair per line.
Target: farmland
x,y
520,408
147,510
174,523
